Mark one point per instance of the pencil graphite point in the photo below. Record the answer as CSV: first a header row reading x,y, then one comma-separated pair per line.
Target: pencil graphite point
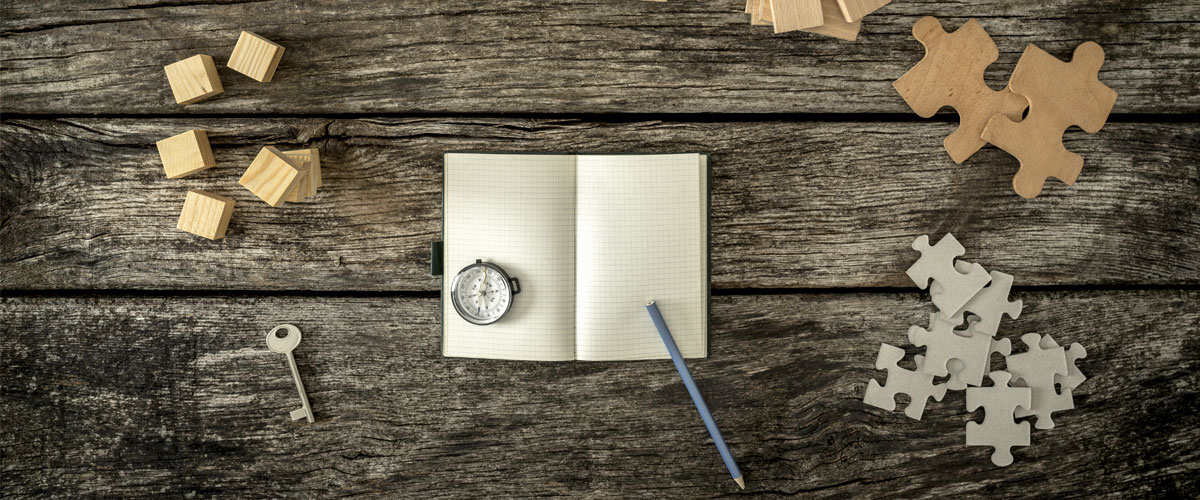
x,y
741,483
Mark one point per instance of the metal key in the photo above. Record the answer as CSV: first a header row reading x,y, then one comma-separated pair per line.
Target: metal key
x,y
285,345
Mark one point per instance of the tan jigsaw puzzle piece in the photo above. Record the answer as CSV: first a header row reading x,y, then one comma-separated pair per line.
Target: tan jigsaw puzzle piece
x,y
951,74
1060,95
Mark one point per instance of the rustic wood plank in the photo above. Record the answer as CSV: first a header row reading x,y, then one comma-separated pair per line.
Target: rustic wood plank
x,y
178,396
557,56
85,204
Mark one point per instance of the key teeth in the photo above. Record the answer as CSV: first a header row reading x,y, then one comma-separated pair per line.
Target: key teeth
x,y
299,414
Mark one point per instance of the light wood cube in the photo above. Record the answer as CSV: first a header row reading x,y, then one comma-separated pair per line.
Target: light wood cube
x,y
185,154
272,175
311,159
255,57
853,10
206,214
193,79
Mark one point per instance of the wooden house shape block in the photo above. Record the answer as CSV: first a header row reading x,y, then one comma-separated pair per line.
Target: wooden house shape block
x,y
205,214
193,79
272,175
255,57
185,154
307,188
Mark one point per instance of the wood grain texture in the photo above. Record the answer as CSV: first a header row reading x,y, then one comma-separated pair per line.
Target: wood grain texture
x,y
185,154
791,15
834,25
206,214
255,57
272,175
193,79
794,205
151,396
854,10
555,56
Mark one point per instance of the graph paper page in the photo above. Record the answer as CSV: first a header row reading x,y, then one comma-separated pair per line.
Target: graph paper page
x,y
641,234
518,212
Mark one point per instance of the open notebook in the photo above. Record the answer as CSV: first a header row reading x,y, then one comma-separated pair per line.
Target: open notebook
x,y
591,238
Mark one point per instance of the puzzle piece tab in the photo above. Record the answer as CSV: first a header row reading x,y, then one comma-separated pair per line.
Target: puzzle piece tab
x,y
943,344
1074,377
1060,95
990,304
1037,369
951,74
951,289
998,429
917,385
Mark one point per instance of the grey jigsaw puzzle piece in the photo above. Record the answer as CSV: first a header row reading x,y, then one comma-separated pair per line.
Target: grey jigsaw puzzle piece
x,y
998,429
917,385
951,289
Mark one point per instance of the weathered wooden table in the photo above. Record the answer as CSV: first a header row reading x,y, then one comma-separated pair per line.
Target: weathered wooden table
x,y
132,360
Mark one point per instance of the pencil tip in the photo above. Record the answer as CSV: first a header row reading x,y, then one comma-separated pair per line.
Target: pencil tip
x,y
741,483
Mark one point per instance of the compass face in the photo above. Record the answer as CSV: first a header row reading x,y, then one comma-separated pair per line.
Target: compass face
x,y
482,293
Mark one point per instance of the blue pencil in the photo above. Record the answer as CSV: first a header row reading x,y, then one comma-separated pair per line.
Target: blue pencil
x,y
715,432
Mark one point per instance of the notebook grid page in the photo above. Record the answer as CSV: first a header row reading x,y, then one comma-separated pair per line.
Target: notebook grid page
x,y
518,212
640,235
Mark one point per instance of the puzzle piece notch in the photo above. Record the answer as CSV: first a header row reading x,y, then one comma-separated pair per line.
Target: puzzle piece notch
x,y
990,304
1036,369
917,385
951,74
998,430
943,345
1060,95
952,289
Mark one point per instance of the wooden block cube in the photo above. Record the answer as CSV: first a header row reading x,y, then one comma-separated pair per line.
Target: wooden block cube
x,y
193,79
310,159
205,214
255,57
853,10
272,175
185,154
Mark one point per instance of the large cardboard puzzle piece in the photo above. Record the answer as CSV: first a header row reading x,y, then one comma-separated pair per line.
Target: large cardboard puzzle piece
x,y
943,344
1037,369
998,429
951,74
951,289
917,385
990,304
1060,95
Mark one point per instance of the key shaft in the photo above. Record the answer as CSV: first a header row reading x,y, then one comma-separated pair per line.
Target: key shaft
x,y
306,410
